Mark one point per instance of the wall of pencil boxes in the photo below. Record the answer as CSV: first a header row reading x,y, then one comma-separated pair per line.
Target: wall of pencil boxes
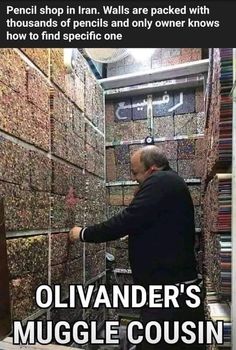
x,y
176,123
217,189
51,171
52,164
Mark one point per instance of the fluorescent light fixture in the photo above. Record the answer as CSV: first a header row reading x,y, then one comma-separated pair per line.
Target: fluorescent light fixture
x,y
141,54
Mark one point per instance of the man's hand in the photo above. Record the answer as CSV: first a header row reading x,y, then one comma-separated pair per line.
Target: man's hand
x,y
74,233
124,238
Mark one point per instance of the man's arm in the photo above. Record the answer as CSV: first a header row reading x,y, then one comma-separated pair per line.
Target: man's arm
x,y
137,217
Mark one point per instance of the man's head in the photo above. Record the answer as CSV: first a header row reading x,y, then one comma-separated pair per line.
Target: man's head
x,y
147,160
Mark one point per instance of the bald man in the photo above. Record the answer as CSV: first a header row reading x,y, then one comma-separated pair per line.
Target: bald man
x,y
160,226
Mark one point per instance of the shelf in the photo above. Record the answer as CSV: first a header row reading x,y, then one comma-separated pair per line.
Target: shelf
x,y
193,180
127,271
156,139
153,75
19,234
145,89
122,183
135,183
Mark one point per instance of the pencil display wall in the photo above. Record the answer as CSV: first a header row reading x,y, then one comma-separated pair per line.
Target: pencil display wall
x,y
217,187
65,160
176,121
51,172
217,232
219,119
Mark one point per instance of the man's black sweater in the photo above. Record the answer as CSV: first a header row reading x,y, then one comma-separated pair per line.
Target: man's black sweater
x,y
160,225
